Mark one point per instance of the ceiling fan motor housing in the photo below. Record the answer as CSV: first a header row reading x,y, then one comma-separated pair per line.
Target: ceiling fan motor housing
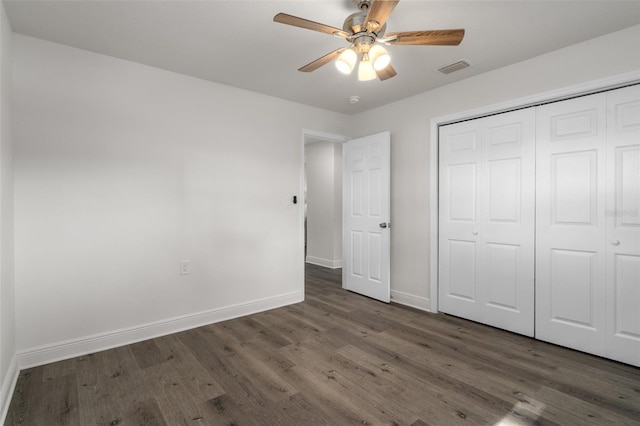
x,y
354,24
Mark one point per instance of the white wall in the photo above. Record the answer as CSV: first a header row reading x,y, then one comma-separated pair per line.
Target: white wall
x,y
123,170
408,121
337,203
324,203
8,368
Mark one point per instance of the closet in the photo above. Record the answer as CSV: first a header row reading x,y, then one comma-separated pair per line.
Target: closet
x,y
539,222
486,246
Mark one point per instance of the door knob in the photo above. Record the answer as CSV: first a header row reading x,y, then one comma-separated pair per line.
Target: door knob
x,y
475,232
615,242
384,225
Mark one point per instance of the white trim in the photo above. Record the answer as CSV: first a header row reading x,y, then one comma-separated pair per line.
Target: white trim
x,y
98,342
327,263
546,97
321,136
8,387
418,302
433,214
582,89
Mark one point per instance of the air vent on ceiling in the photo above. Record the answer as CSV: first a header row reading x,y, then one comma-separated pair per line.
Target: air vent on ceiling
x,y
456,66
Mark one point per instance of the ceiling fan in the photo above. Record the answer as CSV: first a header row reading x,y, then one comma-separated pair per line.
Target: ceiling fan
x,y
363,29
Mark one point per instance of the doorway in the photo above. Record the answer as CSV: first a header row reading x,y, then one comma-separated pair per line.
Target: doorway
x,y
363,245
321,215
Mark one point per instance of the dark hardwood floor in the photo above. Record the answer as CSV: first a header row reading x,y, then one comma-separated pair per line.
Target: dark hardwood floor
x,y
335,359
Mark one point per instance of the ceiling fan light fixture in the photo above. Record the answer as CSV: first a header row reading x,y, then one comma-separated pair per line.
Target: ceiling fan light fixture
x,y
346,61
379,57
362,30
366,71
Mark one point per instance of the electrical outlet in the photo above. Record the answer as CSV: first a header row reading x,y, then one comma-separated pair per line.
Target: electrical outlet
x,y
184,267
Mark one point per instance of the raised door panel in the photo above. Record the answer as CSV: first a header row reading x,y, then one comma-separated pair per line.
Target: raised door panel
x,y
504,190
573,281
626,296
357,184
375,250
574,193
462,192
462,270
623,225
502,277
355,213
570,229
356,265
626,187
575,125
375,194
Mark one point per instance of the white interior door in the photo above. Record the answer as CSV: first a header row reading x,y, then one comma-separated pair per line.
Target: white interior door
x,y
487,220
622,216
570,222
366,216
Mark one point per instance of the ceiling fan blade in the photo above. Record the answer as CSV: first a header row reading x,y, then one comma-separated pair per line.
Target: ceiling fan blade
x,y
312,66
379,13
386,73
283,18
434,38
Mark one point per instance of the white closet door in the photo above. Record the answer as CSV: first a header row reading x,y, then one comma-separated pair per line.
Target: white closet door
x,y
570,222
507,220
623,225
459,281
487,220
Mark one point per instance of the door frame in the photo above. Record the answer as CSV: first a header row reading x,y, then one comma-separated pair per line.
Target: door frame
x,y
594,86
309,136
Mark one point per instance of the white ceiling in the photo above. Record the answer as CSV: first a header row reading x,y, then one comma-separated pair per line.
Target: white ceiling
x,y
238,44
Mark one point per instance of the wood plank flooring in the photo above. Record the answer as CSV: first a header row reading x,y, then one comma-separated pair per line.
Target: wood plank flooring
x,y
335,359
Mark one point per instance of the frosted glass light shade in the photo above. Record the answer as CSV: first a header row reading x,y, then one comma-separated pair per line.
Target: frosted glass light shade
x,y
379,57
346,61
366,71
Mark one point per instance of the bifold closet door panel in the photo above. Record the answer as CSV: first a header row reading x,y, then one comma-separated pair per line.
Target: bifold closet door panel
x,y
570,223
460,157
487,220
622,217
507,219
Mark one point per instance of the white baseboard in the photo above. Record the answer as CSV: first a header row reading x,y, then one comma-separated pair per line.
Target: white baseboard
x,y
76,347
327,263
8,386
418,302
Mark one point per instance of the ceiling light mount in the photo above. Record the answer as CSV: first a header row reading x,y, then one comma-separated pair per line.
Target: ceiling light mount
x,y
362,4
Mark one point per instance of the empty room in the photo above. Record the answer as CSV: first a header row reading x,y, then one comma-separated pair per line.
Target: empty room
x,y
319,212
